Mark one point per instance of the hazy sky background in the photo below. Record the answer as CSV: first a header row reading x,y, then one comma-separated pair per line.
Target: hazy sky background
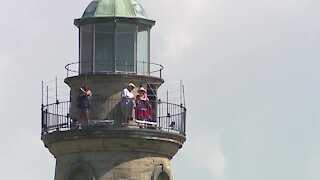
x,y
250,70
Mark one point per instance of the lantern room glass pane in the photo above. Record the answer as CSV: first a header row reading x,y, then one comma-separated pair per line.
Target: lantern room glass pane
x,y
143,62
125,38
85,65
104,40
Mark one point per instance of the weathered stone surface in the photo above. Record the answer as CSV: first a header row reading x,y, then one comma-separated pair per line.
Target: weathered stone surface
x,y
131,154
119,165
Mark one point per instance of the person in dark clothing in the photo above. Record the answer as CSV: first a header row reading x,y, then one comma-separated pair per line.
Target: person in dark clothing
x,y
84,105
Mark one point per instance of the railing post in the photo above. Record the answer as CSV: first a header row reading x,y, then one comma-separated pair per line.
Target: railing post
x,y
68,121
46,120
42,119
159,110
184,120
47,95
143,67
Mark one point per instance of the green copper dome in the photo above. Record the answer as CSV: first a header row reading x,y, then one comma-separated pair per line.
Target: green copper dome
x,y
114,8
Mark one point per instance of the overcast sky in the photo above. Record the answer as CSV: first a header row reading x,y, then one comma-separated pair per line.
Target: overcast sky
x,y
250,70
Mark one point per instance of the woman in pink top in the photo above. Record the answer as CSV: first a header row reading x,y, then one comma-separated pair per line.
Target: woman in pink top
x,y
143,106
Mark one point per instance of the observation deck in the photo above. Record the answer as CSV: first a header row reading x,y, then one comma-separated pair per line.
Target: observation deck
x,y
167,121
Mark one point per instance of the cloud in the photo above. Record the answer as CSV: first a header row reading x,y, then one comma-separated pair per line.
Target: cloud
x,y
217,160
7,68
28,148
289,7
313,163
5,60
200,6
177,45
208,155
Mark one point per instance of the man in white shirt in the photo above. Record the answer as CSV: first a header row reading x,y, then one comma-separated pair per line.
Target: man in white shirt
x,y
127,100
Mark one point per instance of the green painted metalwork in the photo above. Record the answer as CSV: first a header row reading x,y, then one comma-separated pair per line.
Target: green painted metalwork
x,y
115,8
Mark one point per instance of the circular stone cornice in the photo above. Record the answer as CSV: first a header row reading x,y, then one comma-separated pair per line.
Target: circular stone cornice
x,y
104,139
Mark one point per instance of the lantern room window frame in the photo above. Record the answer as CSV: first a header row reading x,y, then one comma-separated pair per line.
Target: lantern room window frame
x,y
114,45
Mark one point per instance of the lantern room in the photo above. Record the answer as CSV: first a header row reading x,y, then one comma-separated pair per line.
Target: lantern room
x,y
114,37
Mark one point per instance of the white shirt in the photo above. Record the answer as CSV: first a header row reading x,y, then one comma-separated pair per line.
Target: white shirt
x,y
127,94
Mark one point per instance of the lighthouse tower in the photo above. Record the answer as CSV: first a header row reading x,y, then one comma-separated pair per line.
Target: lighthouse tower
x,y
114,51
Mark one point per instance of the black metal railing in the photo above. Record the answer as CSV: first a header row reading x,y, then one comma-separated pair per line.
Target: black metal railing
x,y
171,117
55,117
105,67
164,116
